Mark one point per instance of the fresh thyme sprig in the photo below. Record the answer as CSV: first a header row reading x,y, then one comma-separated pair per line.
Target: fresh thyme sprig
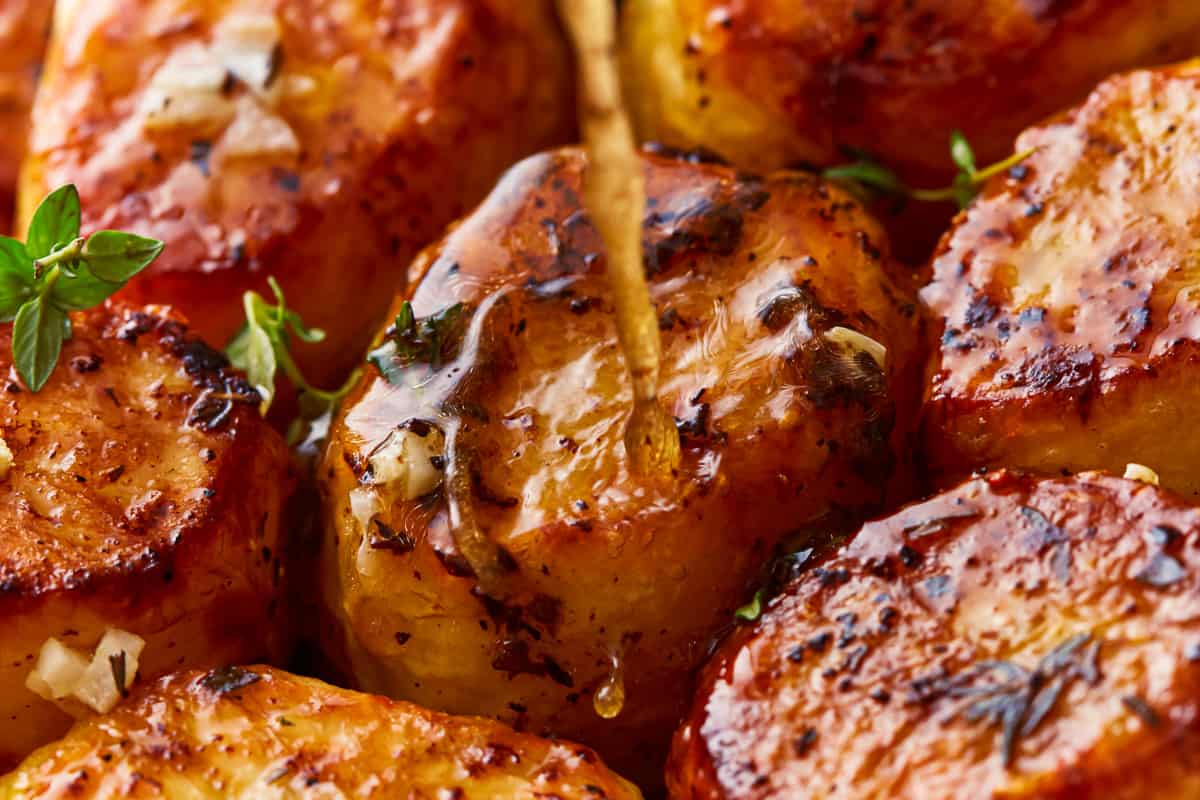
x,y
57,271
411,339
263,346
866,173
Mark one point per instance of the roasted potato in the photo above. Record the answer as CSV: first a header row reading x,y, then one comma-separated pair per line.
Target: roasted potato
x,y
787,363
1068,296
768,83
24,25
1014,637
320,142
142,492
257,732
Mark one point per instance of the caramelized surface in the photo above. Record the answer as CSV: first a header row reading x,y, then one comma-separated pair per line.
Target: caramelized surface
x,y
145,494
613,578
24,26
261,733
403,113
1068,295
771,83
1013,637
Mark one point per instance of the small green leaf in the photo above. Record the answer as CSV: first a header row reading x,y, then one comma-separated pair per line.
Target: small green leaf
x,y
752,610
15,258
116,257
867,173
55,223
406,320
14,292
253,353
81,292
37,341
961,153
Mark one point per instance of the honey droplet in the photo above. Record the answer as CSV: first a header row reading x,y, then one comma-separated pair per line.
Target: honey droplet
x,y
609,699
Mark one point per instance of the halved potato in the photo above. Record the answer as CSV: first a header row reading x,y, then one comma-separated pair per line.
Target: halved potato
x,y
320,142
1015,637
257,732
788,363
1068,296
141,492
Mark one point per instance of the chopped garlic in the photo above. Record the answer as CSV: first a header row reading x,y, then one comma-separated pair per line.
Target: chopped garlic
x,y
247,44
1137,472
62,672
404,464
256,132
186,91
6,459
858,341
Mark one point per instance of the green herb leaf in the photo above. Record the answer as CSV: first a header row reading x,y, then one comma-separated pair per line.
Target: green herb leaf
x,y
961,153
431,340
56,272
752,610
261,349
866,175
37,341
55,222
116,257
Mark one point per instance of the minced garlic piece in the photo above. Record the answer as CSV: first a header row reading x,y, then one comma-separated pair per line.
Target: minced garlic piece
x,y
6,459
404,464
63,673
858,341
248,45
255,132
1137,472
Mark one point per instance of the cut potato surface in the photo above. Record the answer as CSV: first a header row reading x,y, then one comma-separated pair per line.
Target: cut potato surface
x,y
1068,296
256,732
788,363
142,494
1015,637
320,142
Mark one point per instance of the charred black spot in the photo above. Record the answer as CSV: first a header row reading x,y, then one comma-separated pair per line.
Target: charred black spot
x,y
385,537
198,154
980,312
229,679
514,659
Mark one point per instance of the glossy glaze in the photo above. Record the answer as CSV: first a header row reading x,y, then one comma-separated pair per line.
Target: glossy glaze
x,y
145,494
782,431
404,113
1067,295
262,733
860,680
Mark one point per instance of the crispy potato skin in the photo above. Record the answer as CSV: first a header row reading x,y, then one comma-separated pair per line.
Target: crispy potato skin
x,y
405,112
1067,296
24,25
747,275
880,651
771,83
286,736
768,83
132,503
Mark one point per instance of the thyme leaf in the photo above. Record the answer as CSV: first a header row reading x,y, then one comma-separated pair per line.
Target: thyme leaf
x,y
865,176
431,340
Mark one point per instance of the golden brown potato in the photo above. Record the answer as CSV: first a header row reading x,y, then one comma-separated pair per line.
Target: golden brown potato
x,y
24,25
257,732
1069,299
144,494
1012,638
320,142
774,304
768,83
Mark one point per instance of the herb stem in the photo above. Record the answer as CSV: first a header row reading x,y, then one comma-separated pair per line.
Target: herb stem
x,y
67,254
